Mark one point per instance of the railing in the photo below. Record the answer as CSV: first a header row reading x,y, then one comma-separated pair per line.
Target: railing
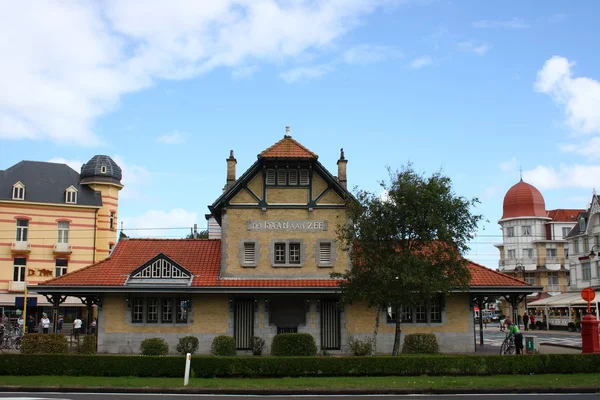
x,y
14,286
556,288
20,247
62,248
538,261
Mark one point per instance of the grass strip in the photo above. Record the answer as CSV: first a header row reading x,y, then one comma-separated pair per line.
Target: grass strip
x,y
389,382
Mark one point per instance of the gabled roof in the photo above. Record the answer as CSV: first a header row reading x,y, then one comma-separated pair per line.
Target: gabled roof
x,y
46,182
564,214
202,258
287,148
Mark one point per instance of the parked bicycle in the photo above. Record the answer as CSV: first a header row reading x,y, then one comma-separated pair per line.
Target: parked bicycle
x,y
508,345
10,338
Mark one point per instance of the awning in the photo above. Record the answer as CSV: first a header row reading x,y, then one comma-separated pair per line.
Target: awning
x,y
562,300
8,299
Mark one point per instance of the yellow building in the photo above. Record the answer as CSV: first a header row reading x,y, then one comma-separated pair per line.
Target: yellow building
x,y
265,270
54,220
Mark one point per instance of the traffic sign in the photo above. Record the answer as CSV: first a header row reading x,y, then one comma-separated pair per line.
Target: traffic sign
x,y
588,294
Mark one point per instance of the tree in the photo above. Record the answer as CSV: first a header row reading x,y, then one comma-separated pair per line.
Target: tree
x,y
406,248
198,235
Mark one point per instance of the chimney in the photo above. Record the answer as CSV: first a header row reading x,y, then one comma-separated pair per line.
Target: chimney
x,y
231,162
342,168
287,132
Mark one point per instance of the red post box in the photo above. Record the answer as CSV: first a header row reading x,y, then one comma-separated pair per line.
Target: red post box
x,y
589,334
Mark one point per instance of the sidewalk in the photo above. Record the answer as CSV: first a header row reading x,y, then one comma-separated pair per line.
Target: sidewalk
x,y
544,349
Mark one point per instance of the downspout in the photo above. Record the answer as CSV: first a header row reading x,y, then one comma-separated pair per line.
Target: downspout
x,y
95,230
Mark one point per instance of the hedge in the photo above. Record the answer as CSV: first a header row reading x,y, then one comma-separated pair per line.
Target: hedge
x,y
253,367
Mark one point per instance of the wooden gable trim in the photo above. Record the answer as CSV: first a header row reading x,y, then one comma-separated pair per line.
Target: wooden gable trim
x,y
185,274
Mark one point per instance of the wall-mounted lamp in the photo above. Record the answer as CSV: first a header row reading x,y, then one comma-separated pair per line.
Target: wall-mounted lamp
x,y
593,254
230,304
255,305
307,305
266,304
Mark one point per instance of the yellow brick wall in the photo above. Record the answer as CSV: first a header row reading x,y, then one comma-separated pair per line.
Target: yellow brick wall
x,y
287,195
318,185
243,197
105,235
256,185
361,319
210,313
237,231
331,197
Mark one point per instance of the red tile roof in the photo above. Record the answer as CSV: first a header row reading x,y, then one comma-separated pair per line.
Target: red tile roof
x,y
564,215
523,200
202,258
287,148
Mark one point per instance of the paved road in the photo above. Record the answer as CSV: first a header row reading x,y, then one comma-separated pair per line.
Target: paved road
x,y
110,396
493,336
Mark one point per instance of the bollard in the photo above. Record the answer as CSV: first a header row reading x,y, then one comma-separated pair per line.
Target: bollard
x,y
186,378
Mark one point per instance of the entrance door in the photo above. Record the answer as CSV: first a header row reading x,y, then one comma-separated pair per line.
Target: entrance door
x,y
243,325
330,325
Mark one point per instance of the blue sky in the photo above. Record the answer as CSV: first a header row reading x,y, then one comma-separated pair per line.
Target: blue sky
x,y
478,89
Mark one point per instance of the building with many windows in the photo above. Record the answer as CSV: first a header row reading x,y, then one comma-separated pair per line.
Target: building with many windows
x,y
264,270
54,220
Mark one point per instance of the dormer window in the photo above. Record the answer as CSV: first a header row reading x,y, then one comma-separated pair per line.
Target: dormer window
x,y
103,169
18,191
71,195
582,225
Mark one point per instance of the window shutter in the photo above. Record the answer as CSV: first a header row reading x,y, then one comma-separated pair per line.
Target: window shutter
x,y
249,254
270,177
293,177
281,177
325,253
304,177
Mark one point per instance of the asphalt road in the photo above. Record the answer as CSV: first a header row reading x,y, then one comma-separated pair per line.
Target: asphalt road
x,y
110,396
493,336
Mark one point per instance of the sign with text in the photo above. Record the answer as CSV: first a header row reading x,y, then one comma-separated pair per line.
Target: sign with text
x,y
288,226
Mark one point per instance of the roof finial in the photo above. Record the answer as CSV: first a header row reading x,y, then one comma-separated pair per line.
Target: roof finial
x,y
594,191
342,154
287,133
521,172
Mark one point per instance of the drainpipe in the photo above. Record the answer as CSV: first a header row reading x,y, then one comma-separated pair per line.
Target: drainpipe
x,y
95,230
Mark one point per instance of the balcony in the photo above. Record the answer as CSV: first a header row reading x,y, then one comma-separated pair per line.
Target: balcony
x,y
16,286
556,288
62,248
20,247
509,264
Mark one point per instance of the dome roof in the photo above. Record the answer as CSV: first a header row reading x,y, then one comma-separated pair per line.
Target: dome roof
x,y
523,200
101,169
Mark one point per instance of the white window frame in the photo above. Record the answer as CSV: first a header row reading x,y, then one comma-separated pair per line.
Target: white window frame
x,y
325,253
551,253
530,277
526,230
304,177
63,232
565,231
103,169
60,270
22,230
582,225
293,177
552,278
510,231
271,177
281,177
511,254
576,246
249,253
18,192
289,248
111,220
21,268
586,272
528,253
71,195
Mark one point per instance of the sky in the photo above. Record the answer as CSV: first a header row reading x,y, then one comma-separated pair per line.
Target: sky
x,y
483,91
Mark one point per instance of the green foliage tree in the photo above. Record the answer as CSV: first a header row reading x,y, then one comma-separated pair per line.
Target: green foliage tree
x,y
198,235
406,247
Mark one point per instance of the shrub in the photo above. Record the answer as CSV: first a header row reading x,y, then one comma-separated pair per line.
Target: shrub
x,y
257,345
187,344
293,344
50,343
360,347
154,347
420,343
88,346
223,346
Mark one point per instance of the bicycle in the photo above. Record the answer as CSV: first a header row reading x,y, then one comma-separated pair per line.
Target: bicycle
x,y
508,345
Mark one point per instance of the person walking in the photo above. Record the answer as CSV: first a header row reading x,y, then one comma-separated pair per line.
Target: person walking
x,y
20,323
45,322
60,324
513,330
77,326
532,322
525,321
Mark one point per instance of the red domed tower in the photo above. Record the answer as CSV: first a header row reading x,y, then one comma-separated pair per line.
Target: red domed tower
x,y
523,200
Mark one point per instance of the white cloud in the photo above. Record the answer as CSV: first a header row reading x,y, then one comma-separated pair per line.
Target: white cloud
x,y
472,46
591,148
509,165
567,176
67,62
160,224
370,54
244,72
306,73
175,137
74,164
514,23
580,96
421,62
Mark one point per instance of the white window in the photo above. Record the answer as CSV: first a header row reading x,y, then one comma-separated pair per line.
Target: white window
x,y
435,311
530,277
586,271
281,179
111,220
421,313
61,267
527,253
526,230
552,278
18,191
510,231
551,253
63,232
586,245
149,309
103,169
565,232
249,253
304,177
512,254
152,311
325,253
22,227
20,264
293,177
270,177
582,225
111,246
286,253
576,246
71,195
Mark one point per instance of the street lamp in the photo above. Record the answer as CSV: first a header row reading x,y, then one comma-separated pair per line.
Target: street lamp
x,y
520,268
593,254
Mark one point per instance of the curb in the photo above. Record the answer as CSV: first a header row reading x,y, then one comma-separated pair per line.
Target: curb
x,y
566,346
299,392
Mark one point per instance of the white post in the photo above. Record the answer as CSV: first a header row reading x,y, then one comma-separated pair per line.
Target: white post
x,y
186,378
